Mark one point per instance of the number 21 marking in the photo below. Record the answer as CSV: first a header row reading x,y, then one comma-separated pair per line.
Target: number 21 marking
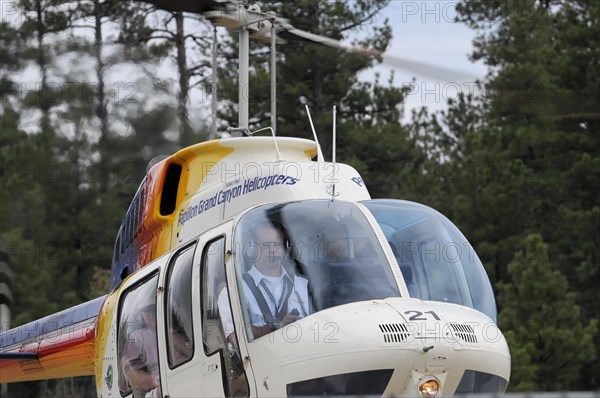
x,y
418,315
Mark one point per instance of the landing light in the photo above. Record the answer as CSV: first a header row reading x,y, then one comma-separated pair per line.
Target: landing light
x,y
429,388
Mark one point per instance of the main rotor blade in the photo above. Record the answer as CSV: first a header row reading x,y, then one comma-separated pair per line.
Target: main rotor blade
x,y
195,6
429,70
421,68
230,17
290,32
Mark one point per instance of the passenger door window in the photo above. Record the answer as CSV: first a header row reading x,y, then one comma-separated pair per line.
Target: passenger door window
x,y
179,325
137,341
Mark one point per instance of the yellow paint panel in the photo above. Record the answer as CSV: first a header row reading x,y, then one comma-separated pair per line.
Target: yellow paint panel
x,y
311,153
199,161
103,330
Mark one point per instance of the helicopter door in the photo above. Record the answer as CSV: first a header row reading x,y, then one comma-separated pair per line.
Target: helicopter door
x,y
179,358
196,359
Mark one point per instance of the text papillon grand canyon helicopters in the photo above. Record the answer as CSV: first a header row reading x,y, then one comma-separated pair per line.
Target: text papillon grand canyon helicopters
x,y
368,297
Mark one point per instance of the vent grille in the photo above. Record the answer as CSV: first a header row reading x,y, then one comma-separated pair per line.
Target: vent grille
x,y
464,332
394,332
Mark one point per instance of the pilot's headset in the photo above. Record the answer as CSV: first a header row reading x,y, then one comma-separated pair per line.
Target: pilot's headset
x,y
254,249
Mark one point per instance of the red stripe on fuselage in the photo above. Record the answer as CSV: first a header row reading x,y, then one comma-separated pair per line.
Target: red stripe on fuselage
x,y
68,352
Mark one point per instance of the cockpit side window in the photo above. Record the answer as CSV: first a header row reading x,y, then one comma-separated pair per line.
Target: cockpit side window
x,y
137,340
180,334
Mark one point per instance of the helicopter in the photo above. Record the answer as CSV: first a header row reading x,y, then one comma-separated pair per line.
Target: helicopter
x,y
393,299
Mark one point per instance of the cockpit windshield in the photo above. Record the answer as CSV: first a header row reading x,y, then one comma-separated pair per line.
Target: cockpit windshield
x,y
295,259
436,260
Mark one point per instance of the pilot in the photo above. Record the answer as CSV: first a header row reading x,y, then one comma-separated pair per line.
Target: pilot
x,y
274,297
139,360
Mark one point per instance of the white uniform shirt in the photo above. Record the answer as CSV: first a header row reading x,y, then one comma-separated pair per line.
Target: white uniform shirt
x,y
298,299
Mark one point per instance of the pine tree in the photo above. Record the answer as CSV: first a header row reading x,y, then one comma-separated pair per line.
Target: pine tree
x,y
549,340
523,158
543,101
153,35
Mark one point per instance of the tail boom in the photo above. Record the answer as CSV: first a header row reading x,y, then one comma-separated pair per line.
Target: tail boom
x,y
63,344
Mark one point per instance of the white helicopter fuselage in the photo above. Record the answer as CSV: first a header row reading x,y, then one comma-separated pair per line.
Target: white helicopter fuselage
x,y
391,344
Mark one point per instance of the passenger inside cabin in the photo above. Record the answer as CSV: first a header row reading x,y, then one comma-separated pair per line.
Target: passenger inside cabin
x,y
274,298
139,360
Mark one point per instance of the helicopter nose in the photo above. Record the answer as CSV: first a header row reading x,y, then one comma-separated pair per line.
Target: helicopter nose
x,y
400,347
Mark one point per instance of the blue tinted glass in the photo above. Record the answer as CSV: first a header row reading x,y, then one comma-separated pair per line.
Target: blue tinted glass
x,y
435,258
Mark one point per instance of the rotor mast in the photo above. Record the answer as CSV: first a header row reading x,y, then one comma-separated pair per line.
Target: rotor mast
x,y
243,78
273,75
247,21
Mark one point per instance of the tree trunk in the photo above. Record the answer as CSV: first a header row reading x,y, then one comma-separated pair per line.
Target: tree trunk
x,y
101,109
185,134
43,65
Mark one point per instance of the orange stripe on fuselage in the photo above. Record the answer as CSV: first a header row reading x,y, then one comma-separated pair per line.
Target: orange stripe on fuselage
x,y
157,234
65,353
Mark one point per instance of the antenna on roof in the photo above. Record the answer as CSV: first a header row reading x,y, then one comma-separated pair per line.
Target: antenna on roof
x,y
333,145
333,141
312,126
